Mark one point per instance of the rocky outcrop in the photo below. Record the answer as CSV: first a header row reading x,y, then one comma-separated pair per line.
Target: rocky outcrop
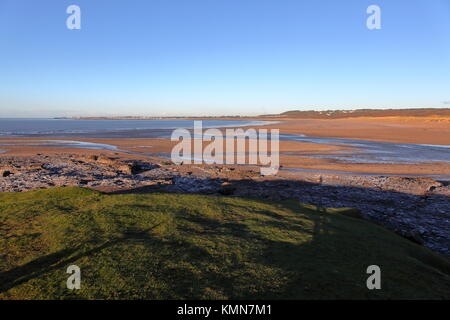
x,y
416,208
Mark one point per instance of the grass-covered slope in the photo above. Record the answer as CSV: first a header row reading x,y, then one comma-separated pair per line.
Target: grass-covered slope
x,y
167,246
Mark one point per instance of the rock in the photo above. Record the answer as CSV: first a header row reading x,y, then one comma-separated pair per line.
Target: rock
x,y
227,189
414,236
93,157
410,185
353,213
118,165
106,160
5,173
129,168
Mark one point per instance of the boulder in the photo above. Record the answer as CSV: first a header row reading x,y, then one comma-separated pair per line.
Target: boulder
x,y
5,173
129,168
227,189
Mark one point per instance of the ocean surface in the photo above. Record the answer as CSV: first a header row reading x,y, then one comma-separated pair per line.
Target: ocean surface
x,y
62,128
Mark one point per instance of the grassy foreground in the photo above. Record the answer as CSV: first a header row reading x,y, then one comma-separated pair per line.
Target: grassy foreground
x,y
167,246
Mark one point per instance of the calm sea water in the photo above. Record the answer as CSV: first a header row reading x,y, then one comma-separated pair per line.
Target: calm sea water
x,y
105,128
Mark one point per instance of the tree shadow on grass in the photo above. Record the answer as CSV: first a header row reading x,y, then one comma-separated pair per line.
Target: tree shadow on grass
x,y
40,266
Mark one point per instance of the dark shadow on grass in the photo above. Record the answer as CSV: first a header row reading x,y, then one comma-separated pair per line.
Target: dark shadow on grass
x,y
40,266
326,266
387,207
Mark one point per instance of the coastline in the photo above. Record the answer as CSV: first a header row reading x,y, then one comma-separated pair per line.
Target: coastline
x,y
307,155
388,194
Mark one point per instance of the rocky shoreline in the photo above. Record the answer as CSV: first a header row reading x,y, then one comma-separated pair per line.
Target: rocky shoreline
x,y
416,208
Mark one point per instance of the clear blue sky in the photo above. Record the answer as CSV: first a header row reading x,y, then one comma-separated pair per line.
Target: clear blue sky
x,y
217,57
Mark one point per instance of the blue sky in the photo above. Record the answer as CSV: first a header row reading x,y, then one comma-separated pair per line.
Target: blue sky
x,y
215,57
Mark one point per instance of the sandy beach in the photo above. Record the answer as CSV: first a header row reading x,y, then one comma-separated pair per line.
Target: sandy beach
x,y
293,154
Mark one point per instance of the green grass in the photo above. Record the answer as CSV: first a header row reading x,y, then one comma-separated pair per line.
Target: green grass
x,y
167,246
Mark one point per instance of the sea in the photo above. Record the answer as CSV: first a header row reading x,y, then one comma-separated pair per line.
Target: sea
x,y
64,128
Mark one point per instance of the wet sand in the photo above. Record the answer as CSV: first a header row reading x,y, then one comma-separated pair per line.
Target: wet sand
x,y
293,154
429,130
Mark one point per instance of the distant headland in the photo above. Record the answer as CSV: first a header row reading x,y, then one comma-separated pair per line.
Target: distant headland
x,y
299,114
